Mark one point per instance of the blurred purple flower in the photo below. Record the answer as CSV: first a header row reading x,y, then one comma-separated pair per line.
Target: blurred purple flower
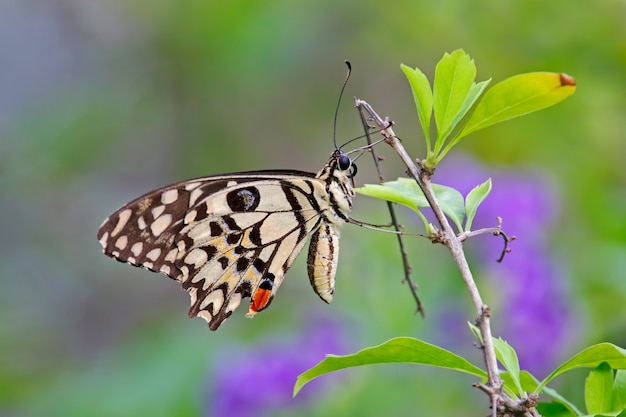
x,y
258,380
529,294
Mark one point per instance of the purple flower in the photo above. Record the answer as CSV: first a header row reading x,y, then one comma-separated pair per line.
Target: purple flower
x,y
527,291
258,380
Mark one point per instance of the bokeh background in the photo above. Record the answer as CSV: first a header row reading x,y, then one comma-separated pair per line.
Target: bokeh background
x,y
101,101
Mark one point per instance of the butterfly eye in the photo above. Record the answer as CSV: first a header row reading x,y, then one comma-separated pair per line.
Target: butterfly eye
x,y
352,171
344,162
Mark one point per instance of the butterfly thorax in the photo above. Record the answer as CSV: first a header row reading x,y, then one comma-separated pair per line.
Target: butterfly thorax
x,y
338,187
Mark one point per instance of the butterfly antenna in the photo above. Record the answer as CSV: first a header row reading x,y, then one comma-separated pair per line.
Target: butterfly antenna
x,y
343,87
366,135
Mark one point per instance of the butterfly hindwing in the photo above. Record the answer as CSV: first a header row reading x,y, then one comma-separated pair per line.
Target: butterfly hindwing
x,y
233,236
245,244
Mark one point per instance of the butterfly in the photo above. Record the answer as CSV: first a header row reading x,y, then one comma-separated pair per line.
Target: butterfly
x,y
234,236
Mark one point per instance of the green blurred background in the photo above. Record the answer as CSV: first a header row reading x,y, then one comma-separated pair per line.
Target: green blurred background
x,y
101,101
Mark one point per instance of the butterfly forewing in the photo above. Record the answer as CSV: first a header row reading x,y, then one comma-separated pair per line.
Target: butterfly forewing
x,y
229,237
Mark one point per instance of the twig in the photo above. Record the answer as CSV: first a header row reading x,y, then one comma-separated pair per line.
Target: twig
x,y
496,231
394,220
448,237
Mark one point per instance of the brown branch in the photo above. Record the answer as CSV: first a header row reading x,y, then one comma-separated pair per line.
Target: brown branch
x,y
500,402
394,220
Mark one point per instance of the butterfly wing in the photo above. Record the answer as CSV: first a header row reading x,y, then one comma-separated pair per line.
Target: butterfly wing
x,y
224,237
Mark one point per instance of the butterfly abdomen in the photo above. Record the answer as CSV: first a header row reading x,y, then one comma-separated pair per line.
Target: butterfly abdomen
x,y
322,261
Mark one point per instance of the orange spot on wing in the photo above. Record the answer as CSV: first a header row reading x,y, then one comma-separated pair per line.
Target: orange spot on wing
x,y
260,300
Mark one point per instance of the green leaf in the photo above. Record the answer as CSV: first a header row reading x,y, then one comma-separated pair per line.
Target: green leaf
x,y
590,358
599,389
475,92
423,96
519,95
554,394
508,357
529,383
398,350
554,409
619,390
509,385
473,200
405,191
451,203
618,413
454,77
402,191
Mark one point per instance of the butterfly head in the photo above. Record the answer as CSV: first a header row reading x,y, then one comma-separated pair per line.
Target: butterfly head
x,y
338,174
341,161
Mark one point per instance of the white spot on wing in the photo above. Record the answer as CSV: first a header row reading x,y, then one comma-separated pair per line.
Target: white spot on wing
x,y
169,196
122,219
216,297
141,222
137,248
200,232
171,255
160,224
192,294
196,257
192,185
154,254
165,269
194,196
121,242
205,315
234,302
104,239
245,220
185,271
191,216
275,224
157,211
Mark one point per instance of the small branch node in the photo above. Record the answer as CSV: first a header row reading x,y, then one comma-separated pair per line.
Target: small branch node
x,y
486,313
